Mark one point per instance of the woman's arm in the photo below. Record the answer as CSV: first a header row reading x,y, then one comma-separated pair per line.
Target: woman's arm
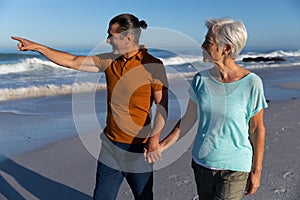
x,y
182,126
257,136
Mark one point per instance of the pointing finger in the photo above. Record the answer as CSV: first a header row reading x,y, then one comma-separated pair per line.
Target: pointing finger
x,y
17,38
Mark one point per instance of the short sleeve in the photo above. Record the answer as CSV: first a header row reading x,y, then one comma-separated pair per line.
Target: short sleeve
x,y
194,87
159,77
102,61
258,100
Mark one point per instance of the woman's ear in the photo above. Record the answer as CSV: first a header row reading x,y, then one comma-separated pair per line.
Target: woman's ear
x,y
227,49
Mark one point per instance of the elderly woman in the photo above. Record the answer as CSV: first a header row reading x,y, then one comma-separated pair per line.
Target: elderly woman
x,y
228,102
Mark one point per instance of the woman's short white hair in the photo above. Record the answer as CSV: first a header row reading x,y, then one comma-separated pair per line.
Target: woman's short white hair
x,y
228,31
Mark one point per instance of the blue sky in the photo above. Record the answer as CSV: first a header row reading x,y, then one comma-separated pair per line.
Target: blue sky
x,y
83,23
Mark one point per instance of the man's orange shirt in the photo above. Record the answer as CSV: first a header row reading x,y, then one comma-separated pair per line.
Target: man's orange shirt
x,y
130,88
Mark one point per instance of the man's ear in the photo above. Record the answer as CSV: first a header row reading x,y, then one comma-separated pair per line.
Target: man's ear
x,y
129,37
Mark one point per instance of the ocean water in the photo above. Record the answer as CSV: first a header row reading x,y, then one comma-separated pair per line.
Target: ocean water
x,y
35,108
29,75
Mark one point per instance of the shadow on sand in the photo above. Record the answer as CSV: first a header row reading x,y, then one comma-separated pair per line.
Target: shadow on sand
x,y
39,186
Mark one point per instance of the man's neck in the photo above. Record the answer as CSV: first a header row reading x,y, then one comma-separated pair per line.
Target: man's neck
x,y
130,54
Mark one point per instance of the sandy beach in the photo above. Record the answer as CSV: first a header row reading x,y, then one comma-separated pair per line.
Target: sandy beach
x,y
66,170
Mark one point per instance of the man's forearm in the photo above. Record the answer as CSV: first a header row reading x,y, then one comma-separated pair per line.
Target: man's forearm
x,y
62,58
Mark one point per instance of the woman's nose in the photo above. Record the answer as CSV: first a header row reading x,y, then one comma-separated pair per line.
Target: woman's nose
x,y
202,46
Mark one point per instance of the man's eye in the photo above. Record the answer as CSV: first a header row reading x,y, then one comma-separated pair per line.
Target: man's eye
x,y
209,43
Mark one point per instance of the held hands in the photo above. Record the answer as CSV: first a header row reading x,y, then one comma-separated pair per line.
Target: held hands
x,y
24,44
152,151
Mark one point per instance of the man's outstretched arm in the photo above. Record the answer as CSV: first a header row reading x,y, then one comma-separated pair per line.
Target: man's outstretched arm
x,y
82,63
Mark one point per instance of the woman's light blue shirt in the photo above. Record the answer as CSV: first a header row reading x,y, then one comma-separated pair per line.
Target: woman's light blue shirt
x,y
225,109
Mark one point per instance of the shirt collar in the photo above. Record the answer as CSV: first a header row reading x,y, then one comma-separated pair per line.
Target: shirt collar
x,y
139,55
